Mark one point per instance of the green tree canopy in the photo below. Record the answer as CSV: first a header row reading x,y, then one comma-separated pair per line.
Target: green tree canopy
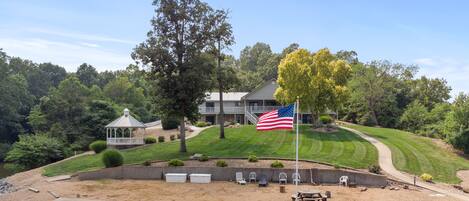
x,y
318,79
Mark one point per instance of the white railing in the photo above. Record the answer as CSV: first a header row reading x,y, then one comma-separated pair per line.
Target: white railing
x,y
251,117
125,141
262,109
216,110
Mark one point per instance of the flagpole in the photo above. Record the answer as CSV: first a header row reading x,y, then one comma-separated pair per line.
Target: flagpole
x,y
297,130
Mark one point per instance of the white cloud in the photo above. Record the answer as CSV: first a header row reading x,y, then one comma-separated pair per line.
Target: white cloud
x,y
456,72
67,54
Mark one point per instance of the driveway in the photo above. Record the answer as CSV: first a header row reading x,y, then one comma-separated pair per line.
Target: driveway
x,y
385,162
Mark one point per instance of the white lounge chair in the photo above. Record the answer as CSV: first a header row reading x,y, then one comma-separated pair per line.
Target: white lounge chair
x,y
252,177
282,178
240,178
343,180
296,178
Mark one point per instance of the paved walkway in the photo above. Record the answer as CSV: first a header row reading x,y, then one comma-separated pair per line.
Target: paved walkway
x,y
385,162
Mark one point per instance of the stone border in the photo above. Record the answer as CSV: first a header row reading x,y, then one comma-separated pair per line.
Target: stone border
x,y
318,176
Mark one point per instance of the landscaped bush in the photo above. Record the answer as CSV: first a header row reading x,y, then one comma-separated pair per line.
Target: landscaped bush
x,y
112,158
222,163
146,163
178,136
277,164
32,151
169,123
98,146
149,140
252,158
374,169
426,177
203,158
160,138
325,119
172,137
175,162
201,124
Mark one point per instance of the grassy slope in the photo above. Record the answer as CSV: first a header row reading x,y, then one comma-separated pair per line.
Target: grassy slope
x,y
417,155
341,148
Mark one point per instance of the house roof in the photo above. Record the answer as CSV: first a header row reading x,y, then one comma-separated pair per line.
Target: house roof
x,y
126,121
229,96
270,91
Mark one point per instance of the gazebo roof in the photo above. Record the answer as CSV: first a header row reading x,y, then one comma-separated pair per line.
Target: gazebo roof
x,y
126,121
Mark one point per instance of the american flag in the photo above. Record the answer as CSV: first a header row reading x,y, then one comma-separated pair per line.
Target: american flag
x,y
277,119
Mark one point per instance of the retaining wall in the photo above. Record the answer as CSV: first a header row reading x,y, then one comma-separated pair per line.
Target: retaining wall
x,y
326,176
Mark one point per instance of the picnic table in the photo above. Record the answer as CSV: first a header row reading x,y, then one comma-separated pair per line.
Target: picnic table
x,y
308,196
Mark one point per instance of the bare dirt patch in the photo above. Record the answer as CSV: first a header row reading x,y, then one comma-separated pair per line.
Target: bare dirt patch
x,y
159,190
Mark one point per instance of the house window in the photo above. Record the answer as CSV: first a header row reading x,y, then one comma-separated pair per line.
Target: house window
x,y
237,104
209,104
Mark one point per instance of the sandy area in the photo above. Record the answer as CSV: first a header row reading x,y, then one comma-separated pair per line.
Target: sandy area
x,y
245,164
157,131
159,190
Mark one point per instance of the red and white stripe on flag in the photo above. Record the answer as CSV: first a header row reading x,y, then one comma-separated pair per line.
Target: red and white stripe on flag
x,y
273,121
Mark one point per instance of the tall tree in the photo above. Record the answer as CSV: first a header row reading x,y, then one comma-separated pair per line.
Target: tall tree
x,y
87,75
223,38
431,91
319,80
179,71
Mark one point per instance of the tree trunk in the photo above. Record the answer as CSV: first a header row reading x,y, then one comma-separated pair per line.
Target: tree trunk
x,y
220,90
182,133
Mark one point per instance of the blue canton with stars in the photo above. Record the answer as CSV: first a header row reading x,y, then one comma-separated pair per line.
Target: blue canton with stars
x,y
287,111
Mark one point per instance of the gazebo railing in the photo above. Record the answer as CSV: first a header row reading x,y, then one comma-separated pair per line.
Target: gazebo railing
x,y
124,141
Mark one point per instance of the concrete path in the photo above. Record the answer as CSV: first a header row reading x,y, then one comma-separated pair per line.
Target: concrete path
x,y
385,162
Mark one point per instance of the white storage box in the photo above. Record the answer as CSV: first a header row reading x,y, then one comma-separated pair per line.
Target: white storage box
x,y
201,178
176,177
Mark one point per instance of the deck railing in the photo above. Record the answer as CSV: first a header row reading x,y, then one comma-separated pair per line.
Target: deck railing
x,y
125,141
237,110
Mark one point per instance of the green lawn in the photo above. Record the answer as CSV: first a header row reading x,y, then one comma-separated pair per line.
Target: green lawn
x,y
341,148
416,155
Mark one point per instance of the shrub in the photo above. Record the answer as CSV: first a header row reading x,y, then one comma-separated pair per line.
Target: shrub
x,y
169,123
461,141
172,137
426,177
277,164
178,136
146,163
112,158
222,163
149,140
32,151
201,124
252,158
325,119
160,138
98,146
374,169
175,162
203,158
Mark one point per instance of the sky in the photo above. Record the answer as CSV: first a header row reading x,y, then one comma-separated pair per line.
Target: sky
x,y
431,34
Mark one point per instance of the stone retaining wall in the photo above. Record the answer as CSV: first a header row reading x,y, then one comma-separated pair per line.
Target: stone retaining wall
x,y
321,176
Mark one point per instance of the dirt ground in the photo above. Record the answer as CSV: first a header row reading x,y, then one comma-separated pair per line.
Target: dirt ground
x,y
133,190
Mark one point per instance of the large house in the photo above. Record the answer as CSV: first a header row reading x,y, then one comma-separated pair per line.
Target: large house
x,y
243,107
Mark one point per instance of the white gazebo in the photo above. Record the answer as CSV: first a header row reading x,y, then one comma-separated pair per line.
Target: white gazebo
x,y
123,131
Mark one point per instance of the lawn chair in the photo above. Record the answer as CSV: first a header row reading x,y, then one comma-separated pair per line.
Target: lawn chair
x,y
252,177
343,180
240,178
263,181
296,178
282,178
